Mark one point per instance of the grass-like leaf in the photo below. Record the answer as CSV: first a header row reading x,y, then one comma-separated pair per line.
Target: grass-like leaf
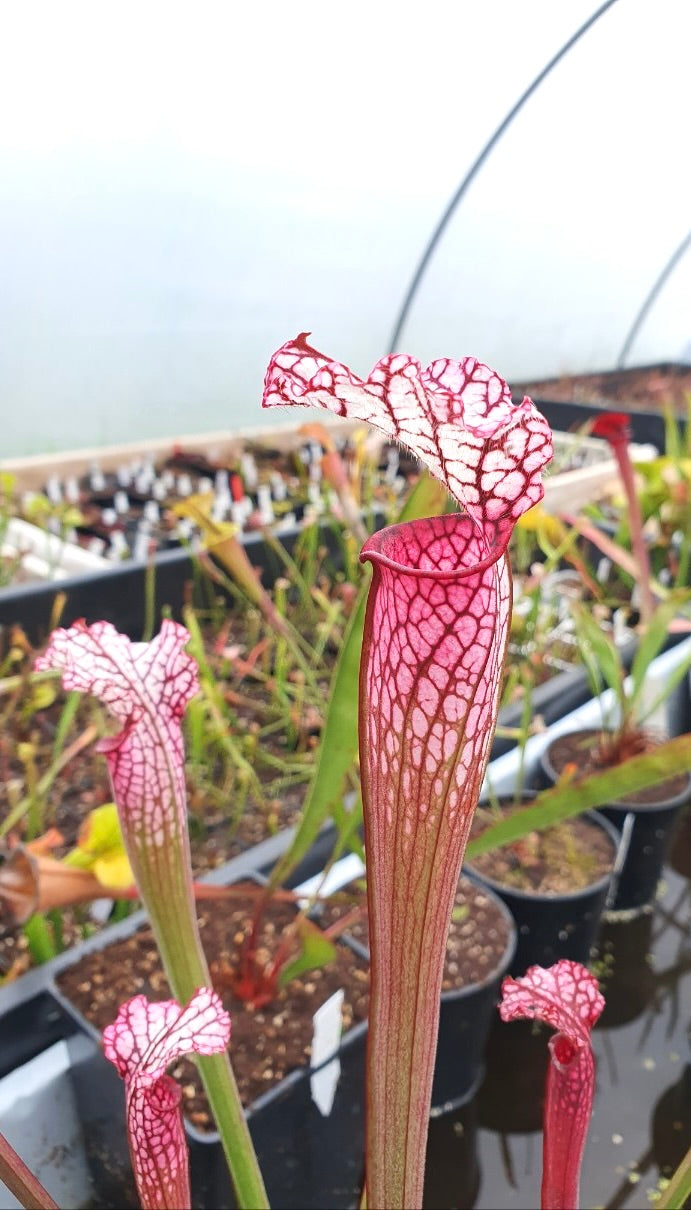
x,y
570,798
339,741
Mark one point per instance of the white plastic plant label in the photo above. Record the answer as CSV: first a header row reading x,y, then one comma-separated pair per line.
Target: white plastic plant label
x,y
341,873
326,1037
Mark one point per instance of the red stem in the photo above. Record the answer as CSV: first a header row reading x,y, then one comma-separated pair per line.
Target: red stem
x,y
21,1182
638,543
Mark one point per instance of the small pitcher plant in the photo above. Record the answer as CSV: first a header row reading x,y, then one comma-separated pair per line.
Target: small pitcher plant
x,y
146,687
567,997
142,1042
432,661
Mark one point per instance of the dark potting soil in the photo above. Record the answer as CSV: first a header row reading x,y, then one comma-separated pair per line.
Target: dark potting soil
x,y
639,388
477,940
583,749
553,861
267,1043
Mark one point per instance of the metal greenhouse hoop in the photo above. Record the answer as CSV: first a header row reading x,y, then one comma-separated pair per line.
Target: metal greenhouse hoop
x,y
651,297
475,168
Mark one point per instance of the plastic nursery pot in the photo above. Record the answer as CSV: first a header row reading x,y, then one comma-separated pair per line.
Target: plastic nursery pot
x,y
554,925
40,1048
452,1170
645,822
309,1158
309,1142
512,1095
627,979
484,927
466,1015
679,853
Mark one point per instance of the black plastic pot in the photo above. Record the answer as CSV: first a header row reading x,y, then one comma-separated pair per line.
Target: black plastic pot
x,y
645,830
628,980
305,1157
679,853
512,1096
551,927
465,1018
647,428
131,592
452,1174
307,1160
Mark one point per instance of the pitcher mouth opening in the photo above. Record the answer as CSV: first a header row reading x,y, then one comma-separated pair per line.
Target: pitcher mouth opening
x,y
449,547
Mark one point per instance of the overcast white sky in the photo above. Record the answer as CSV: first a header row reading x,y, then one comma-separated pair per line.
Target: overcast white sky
x,y
184,187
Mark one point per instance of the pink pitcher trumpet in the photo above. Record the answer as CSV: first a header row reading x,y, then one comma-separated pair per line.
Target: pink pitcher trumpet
x,y
433,653
146,687
142,1042
567,997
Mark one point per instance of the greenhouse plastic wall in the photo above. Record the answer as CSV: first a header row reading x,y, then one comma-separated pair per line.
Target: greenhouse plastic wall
x,y
265,171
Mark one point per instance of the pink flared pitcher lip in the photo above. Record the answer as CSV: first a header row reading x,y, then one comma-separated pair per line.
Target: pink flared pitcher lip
x,y
370,553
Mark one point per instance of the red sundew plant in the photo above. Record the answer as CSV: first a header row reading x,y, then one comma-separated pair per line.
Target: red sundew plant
x,y
433,653
567,997
143,1040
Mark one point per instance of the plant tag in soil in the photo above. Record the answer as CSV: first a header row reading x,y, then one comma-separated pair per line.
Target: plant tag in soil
x,y
326,1037
346,870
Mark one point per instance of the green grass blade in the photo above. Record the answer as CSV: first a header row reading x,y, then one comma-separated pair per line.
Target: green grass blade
x,y
573,797
676,1193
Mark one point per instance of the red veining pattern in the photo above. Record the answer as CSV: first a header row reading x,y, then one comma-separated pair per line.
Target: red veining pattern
x,y
455,416
434,642
565,996
433,649
146,687
143,1040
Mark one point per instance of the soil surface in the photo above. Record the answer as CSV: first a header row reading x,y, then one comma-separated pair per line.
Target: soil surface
x,y
584,750
553,861
266,1043
478,935
642,388
270,1042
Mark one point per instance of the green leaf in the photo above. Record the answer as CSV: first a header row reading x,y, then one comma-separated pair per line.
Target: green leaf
x,y
651,644
677,1190
65,721
598,653
40,698
315,950
40,940
339,742
570,798
674,678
